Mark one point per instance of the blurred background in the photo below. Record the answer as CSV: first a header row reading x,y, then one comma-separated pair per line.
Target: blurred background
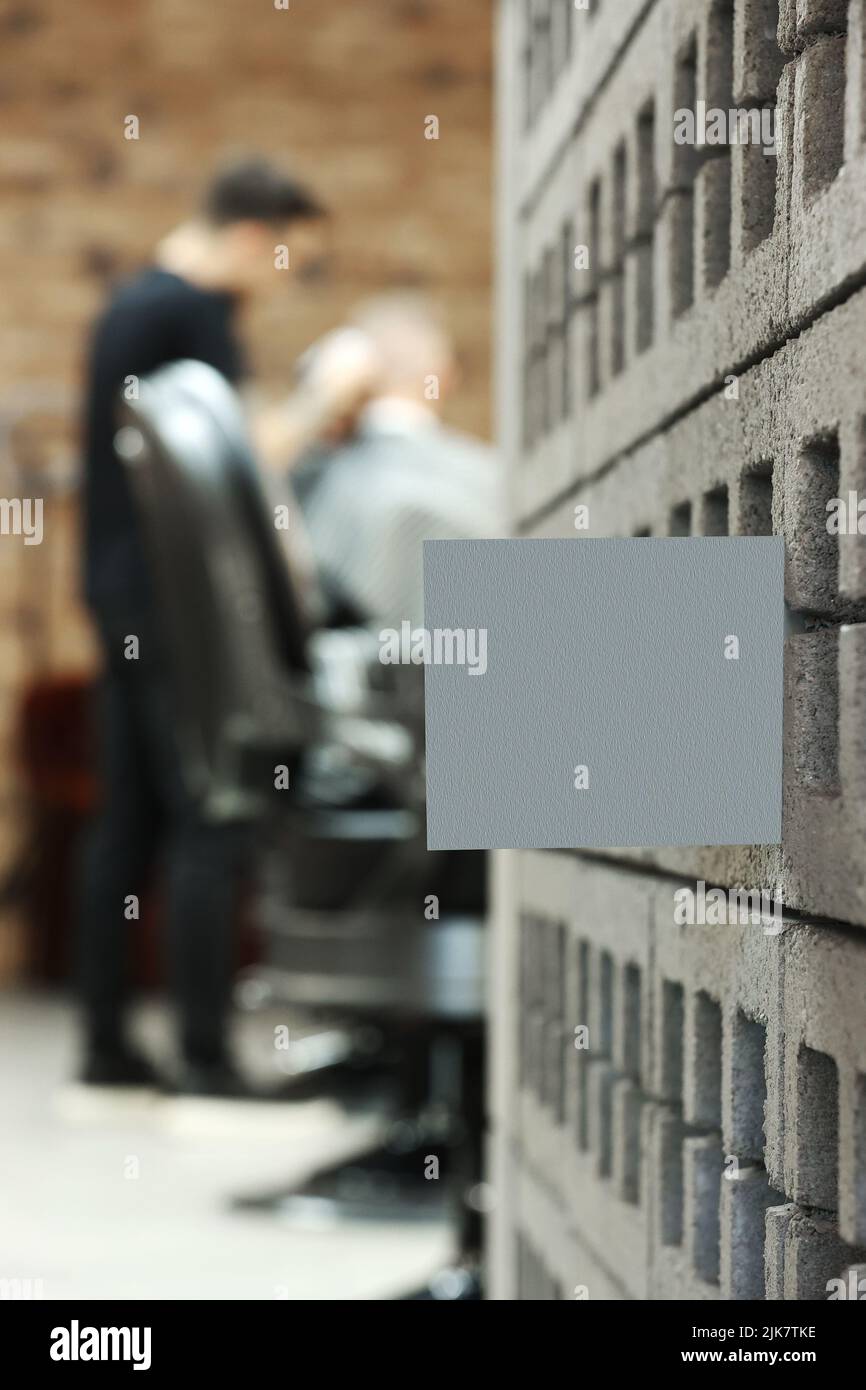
x,y
126,1206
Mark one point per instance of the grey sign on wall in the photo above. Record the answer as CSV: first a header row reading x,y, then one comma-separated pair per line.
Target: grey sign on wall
x,y
595,692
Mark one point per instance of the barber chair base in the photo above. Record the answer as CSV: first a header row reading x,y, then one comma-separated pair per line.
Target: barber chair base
x,y
368,1089
411,1176
377,1198
375,965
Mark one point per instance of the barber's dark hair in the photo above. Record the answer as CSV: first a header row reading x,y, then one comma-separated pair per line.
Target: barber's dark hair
x,y
252,190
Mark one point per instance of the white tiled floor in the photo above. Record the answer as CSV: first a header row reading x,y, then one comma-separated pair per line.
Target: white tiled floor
x,y
73,1215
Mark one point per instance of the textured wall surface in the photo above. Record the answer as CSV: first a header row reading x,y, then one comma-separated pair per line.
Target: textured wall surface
x,y
339,90
703,374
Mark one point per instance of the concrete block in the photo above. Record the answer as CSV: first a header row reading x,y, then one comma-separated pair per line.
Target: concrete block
x,y
852,479
702,1088
746,1196
814,1153
852,1154
708,381
777,1223
821,17
852,722
758,59
715,66
560,104
812,555
601,1081
677,240
609,346
813,1256
626,1118
744,1085
855,82
664,1139
825,1063
754,177
812,712
819,105
570,1267
702,1162
630,1019
712,214
639,309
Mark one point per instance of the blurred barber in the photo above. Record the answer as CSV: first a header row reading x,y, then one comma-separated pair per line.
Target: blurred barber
x,y
399,476
183,306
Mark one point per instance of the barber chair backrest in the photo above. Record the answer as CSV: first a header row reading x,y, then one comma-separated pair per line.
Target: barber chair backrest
x,y
233,635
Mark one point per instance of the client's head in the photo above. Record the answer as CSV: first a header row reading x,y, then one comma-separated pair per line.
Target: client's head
x,y
414,351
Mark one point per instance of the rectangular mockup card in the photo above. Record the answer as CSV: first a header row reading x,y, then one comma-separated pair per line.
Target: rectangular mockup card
x,y
596,692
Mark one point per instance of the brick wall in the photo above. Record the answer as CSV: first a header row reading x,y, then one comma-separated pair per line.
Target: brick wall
x,y
703,376
338,88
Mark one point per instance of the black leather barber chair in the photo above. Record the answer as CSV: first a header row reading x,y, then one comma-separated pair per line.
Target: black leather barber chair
x,y
346,874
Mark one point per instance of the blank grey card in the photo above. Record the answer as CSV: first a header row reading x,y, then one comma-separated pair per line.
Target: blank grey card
x,y
595,692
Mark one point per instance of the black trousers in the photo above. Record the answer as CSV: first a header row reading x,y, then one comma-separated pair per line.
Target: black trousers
x,y
148,814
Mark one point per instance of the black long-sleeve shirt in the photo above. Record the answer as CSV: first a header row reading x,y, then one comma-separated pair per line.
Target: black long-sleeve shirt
x,y
152,320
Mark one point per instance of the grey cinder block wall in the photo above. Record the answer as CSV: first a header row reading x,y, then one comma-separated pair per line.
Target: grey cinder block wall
x,y
701,372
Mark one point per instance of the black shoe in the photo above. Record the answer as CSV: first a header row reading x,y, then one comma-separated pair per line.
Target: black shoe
x,y
120,1068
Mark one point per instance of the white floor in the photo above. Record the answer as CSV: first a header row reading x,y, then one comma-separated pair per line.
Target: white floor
x,y
102,1201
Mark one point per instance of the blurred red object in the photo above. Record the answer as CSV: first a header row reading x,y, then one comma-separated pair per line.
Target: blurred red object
x,y
58,766
56,745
